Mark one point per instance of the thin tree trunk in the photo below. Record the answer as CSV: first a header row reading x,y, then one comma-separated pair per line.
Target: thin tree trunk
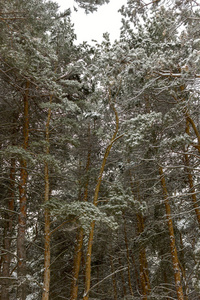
x,y
95,202
136,274
80,236
174,255
47,251
21,239
182,266
8,235
144,274
77,263
128,258
189,119
190,179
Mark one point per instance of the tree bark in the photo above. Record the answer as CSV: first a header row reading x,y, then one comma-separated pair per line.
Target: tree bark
x,y
136,274
182,267
190,178
144,274
8,235
128,258
80,236
21,239
174,254
47,251
95,202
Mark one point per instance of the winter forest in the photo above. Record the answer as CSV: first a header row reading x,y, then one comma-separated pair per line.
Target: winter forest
x,y
100,154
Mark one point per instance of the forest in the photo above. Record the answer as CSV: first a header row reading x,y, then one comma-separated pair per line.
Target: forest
x,y
100,154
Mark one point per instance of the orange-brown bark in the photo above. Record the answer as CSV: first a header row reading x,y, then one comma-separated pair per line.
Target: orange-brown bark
x,y
95,202
174,254
80,236
47,251
144,274
77,263
192,189
88,262
21,241
190,177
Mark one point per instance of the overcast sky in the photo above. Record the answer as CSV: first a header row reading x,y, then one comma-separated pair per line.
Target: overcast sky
x,y
92,26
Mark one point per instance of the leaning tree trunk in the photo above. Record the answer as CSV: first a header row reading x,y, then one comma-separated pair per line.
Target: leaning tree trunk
x,y
47,250
95,202
174,254
21,239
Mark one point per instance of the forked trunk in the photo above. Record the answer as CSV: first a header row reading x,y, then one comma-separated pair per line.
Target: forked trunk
x,y
95,202
174,255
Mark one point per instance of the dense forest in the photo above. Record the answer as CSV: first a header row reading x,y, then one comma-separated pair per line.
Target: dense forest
x,y
100,154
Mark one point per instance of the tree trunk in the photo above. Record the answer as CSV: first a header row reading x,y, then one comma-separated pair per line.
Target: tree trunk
x,y
47,251
21,239
95,202
8,235
174,255
190,179
136,274
128,258
182,266
80,236
144,274
77,263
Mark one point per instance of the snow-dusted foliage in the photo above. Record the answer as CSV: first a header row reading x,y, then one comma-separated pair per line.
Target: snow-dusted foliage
x,y
111,132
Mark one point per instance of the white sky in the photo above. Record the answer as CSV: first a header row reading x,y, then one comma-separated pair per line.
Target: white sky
x,y
92,26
